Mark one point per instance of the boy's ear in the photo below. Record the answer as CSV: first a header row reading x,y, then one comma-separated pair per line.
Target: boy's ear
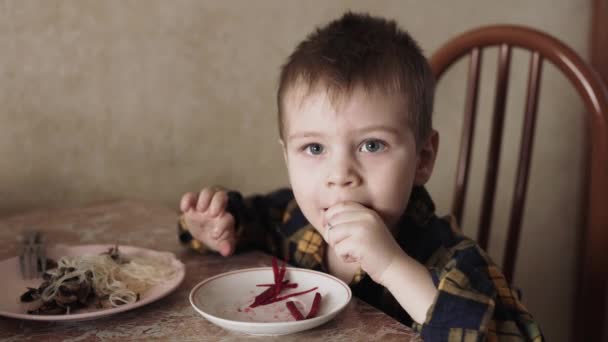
x,y
426,159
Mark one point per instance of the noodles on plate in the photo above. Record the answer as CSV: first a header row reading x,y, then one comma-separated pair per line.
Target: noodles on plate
x,y
111,277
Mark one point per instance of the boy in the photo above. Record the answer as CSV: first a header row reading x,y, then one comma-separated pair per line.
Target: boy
x,y
355,102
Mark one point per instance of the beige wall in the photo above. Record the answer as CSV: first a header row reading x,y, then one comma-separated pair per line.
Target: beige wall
x,y
148,99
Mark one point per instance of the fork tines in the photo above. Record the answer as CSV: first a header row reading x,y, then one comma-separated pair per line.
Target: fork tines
x,y
32,255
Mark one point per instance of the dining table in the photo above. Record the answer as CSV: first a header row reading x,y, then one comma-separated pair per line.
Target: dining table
x,y
152,225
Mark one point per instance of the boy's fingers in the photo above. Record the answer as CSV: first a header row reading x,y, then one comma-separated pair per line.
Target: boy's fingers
x,y
222,234
188,201
351,219
197,231
342,207
216,233
226,241
347,253
226,247
224,225
347,249
337,233
218,203
204,198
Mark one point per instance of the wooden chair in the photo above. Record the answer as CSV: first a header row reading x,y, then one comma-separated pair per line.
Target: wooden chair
x,y
592,287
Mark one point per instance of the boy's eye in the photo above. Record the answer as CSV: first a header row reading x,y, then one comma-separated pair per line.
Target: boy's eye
x,y
314,149
372,146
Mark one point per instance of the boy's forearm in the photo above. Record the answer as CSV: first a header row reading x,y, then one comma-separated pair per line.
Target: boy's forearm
x,y
411,285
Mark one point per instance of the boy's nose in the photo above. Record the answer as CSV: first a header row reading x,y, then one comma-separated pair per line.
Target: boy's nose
x,y
343,174
342,182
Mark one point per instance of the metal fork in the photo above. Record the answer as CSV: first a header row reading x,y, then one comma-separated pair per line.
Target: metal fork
x,y
32,255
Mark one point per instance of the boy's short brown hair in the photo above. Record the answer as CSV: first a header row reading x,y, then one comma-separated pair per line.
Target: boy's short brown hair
x,y
361,50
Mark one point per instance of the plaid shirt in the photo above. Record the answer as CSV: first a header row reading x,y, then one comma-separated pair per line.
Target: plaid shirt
x,y
474,301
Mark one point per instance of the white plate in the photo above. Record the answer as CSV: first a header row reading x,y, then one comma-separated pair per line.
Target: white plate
x,y
224,300
12,286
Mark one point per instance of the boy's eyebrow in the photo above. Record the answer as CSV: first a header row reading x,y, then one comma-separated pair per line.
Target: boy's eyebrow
x,y
389,129
304,135
385,128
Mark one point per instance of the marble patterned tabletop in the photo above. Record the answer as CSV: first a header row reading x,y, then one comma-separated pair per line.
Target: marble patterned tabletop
x,y
152,226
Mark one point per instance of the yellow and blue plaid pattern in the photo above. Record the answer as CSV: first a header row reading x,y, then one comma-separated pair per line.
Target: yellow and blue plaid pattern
x,y
474,301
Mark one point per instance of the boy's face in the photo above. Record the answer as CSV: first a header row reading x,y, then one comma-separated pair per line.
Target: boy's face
x,y
360,149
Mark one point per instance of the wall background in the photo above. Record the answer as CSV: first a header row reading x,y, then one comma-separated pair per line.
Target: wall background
x,y
148,99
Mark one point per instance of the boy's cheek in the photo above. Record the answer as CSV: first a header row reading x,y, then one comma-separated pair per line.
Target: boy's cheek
x,y
309,211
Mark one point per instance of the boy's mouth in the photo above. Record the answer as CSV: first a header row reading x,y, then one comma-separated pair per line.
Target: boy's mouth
x,y
363,204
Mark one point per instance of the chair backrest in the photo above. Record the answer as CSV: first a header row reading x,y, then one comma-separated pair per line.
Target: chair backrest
x,y
594,250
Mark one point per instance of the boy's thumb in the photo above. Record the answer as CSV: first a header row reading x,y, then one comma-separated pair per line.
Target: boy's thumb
x,y
224,248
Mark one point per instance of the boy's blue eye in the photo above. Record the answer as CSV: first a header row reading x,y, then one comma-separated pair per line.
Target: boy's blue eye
x,y
314,149
372,146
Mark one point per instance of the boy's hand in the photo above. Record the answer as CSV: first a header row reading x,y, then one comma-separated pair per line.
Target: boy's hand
x,y
358,234
208,221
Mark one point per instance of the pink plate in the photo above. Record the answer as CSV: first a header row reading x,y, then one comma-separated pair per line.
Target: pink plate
x,y
12,286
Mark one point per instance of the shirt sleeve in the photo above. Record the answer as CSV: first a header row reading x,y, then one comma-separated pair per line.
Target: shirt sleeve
x,y
257,221
474,301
